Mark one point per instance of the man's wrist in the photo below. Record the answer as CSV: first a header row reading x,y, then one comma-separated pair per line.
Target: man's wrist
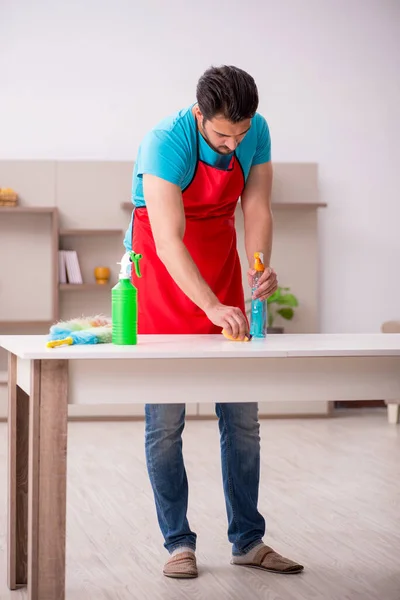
x,y
210,303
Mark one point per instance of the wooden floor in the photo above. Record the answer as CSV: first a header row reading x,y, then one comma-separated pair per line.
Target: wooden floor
x,y
330,492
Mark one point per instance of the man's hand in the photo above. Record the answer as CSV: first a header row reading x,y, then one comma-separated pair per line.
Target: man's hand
x,y
229,318
267,284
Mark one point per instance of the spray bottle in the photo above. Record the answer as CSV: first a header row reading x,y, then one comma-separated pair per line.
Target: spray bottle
x,y
124,303
258,315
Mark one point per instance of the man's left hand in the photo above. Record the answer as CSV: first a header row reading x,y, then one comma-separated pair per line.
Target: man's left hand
x,y
267,284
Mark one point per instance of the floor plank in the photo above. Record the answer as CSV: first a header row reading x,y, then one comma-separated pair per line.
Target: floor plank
x,y
330,492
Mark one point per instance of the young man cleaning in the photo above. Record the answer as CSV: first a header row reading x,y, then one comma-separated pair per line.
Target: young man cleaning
x,y
190,171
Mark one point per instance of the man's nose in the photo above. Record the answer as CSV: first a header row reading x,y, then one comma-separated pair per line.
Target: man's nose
x,y
231,143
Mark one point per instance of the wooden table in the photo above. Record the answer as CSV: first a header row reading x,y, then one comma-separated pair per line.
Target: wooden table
x,y
159,369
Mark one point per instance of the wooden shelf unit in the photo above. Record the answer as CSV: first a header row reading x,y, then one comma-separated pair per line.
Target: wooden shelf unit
x,y
18,324
297,205
57,234
88,198
81,287
28,209
275,205
87,232
53,212
93,236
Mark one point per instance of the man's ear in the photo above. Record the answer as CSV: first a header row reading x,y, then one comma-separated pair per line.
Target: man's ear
x,y
198,114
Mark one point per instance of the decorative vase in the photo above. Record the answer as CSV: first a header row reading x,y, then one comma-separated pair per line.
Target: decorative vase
x,y
102,275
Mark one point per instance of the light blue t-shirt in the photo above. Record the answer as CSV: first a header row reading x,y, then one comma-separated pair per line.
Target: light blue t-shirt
x,y
169,151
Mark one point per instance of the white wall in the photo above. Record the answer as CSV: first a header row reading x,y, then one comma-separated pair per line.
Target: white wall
x,y
85,80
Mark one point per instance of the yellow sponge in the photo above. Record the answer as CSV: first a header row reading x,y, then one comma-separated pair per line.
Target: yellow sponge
x,y
230,337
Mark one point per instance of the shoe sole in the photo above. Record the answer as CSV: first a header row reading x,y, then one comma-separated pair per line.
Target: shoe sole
x,y
180,575
292,572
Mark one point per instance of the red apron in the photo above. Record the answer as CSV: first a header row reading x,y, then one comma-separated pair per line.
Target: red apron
x,y
210,237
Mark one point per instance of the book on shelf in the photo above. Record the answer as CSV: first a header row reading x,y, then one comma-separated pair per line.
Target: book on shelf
x,y
69,269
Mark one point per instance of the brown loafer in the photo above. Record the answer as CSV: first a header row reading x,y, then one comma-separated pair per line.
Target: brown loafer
x,y
267,559
181,566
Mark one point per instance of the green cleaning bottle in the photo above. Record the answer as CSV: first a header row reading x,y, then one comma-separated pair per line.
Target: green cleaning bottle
x,y
124,303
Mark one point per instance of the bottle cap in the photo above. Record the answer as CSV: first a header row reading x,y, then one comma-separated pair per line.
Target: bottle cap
x,y
258,261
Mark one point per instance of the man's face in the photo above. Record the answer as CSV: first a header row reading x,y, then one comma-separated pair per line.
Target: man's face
x,y
222,135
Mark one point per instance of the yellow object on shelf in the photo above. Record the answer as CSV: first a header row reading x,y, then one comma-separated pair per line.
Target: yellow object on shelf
x,y
8,197
102,275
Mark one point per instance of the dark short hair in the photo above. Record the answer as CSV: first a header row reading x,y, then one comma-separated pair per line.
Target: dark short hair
x,y
229,91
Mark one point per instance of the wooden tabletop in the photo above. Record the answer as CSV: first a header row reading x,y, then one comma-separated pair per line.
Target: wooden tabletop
x,y
212,346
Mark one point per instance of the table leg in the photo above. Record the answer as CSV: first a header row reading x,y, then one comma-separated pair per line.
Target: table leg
x,y
47,480
18,429
393,411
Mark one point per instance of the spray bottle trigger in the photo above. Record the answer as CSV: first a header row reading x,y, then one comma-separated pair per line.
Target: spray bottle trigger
x,y
135,259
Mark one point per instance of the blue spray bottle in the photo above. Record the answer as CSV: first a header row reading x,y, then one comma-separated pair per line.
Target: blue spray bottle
x,y
258,315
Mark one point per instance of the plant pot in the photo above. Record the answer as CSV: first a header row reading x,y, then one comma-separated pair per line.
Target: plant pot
x,y
275,329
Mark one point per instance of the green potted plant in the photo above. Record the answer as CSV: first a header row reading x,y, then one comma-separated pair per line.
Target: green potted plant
x,y
282,303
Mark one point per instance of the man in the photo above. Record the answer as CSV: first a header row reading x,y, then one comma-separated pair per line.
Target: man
x,y
190,171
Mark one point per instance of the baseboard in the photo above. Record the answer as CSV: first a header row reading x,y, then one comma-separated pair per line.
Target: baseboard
x,y
133,418
269,417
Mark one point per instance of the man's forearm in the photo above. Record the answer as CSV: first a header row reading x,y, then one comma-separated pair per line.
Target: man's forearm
x,y
256,206
258,231
184,272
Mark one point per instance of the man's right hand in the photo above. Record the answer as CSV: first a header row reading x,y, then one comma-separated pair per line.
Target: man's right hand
x,y
229,318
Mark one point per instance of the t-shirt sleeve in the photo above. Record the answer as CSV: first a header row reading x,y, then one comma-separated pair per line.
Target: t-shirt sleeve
x,y
163,155
263,150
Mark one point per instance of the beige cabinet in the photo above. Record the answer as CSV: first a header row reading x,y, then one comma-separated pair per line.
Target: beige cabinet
x,y
85,206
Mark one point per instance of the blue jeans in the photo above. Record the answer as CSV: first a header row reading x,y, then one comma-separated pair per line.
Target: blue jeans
x,y
240,458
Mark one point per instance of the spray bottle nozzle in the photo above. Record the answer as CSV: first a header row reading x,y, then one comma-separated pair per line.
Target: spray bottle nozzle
x,y
259,261
133,257
126,265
